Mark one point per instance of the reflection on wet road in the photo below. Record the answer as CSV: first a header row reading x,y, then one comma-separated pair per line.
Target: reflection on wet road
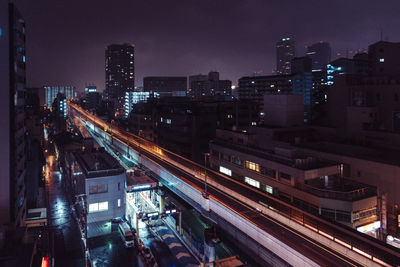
x,y
63,228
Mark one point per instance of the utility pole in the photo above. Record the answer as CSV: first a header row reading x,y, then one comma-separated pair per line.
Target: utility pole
x,y
205,195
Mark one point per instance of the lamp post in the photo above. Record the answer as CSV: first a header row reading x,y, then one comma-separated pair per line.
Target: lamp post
x,y
205,195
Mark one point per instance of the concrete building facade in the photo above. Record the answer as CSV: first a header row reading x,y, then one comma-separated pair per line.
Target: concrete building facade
x,y
12,97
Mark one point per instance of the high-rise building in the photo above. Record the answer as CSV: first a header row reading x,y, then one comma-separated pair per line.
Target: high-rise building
x,y
60,106
165,86
208,85
320,54
120,72
51,93
92,97
255,87
12,119
384,58
285,52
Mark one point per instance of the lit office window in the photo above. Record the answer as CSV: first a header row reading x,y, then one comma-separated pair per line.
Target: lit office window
x,y
252,182
269,189
103,205
225,170
119,202
93,207
252,166
381,60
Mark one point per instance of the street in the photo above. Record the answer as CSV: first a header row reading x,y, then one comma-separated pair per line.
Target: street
x,y
63,230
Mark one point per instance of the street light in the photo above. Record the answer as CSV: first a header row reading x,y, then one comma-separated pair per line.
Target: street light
x,y
205,195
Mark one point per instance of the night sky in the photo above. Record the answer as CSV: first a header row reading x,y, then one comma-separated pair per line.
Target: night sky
x,y
66,39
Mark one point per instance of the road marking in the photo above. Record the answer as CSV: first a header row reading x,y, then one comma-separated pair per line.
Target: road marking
x,y
181,255
166,236
172,245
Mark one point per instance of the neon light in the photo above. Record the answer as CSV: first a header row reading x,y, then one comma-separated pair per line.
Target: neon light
x,y
369,227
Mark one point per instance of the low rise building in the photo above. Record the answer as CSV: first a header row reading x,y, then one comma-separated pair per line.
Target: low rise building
x,y
100,179
313,183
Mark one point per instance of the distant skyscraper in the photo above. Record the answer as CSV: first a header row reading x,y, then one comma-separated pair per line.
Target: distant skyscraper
x,y
320,54
12,119
285,52
51,93
120,72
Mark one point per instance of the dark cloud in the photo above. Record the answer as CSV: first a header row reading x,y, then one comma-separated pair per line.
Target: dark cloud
x,y
66,39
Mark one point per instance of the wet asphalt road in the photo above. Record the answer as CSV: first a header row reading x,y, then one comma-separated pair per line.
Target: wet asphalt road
x,y
63,230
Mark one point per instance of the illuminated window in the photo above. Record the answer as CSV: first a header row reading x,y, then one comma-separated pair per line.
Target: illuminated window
x,y
268,189
252,166
103,205
229,116
252,182
93,207
225,170
381,60
119,202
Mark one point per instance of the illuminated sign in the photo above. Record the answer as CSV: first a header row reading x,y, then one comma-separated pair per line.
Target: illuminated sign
x,y
152,214
141,187
369,227
170,211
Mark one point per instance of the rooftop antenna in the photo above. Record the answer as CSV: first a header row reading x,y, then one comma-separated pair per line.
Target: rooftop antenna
x,y
381,35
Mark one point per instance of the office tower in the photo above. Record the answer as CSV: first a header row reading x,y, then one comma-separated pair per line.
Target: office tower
x,y
120,72
285,52
92,97
12,98
51,93
60,106
201,86
166,86
384,58
320,54
255,87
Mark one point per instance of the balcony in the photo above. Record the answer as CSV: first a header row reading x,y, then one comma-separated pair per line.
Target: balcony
x,y
339,188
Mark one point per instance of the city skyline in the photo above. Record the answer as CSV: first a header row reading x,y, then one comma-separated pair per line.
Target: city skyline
x,y
71,48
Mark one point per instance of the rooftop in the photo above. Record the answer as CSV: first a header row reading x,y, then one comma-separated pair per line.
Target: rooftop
x,y
339,188
98,163
386,156
137,178
302,162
